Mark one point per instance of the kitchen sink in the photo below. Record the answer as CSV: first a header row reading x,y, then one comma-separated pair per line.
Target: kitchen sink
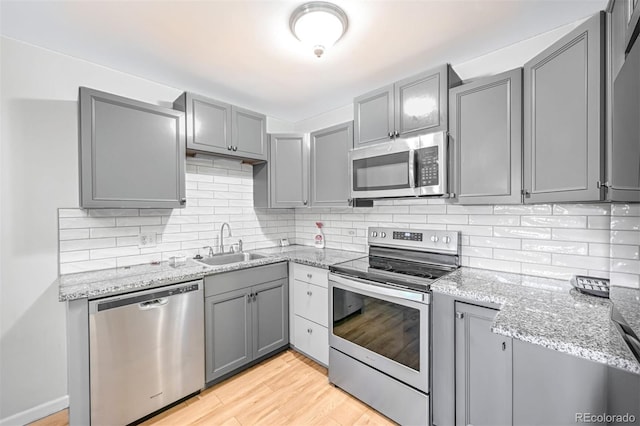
x,y
225,259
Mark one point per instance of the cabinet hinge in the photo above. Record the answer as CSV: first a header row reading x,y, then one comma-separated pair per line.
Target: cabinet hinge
x,y
605,185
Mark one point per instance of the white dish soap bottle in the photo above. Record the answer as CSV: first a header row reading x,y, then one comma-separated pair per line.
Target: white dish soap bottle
x,y
319,238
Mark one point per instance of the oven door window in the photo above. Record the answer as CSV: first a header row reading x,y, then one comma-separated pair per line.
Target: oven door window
x,y
390,171
388,329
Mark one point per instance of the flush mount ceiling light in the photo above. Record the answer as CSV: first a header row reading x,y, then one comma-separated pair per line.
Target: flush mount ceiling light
x,y
319,25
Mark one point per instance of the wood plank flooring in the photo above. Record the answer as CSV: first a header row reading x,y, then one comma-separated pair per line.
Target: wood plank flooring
x,y
288,389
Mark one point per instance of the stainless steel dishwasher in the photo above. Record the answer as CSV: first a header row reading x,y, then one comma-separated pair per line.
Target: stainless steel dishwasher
x,y
146,351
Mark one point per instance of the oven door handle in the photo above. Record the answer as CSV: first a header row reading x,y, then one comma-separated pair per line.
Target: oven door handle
x,y
363,285
412,168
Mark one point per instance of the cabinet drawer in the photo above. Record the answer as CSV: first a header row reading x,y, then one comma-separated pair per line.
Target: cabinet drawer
x,y
311,302
311,275
312,339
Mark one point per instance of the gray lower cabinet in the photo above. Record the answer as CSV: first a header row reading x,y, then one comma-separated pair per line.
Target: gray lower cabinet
x,y
329,165
564,118
485,120
288,171
220,128
246,317
132,154
483,369
415,105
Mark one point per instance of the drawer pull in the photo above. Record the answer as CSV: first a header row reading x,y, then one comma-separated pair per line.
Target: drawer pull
x,y
309,276
309,330
309,293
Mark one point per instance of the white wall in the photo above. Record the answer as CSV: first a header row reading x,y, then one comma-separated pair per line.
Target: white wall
x,y
39,174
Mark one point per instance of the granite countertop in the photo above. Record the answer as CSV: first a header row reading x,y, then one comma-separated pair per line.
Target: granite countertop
x,y
108,282
545,312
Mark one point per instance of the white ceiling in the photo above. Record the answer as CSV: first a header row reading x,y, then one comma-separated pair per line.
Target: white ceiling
x,y
242,51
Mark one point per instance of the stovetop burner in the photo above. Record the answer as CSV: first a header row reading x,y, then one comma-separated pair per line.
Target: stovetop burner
x,y
413,264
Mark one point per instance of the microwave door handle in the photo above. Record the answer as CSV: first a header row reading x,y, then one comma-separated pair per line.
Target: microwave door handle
x,y
412,168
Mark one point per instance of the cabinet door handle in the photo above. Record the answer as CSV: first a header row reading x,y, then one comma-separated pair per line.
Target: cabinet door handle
x,y
396,134
248,298
309,293
459,315
309,276
504,346
305,202
255,296
309,330
229,147
390,135
235,148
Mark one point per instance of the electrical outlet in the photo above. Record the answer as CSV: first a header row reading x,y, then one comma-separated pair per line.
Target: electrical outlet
x,y
351,232
147,239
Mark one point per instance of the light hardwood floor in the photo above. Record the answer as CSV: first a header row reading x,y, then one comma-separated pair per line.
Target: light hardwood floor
x,y
286,389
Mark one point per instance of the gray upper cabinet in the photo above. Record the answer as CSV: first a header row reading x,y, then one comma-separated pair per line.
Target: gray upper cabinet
x,y
483,369
220,128
624,150
415,105
373,115
486,138
249,133
329,165
564,118
132,154
288,171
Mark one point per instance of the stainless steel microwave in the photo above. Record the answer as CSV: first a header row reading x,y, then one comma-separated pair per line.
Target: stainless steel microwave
x,y
410,167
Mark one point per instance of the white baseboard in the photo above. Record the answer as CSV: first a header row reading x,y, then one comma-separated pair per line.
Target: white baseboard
x,y
36,413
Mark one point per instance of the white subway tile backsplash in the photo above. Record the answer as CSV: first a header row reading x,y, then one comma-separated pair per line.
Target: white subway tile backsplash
x,y
109,253
584,262
494,220
582,209
93,243
504,243
123,231
625,252
522,232
551,246
86,222
112,212
625,210
495,265
557,272
74,256
540,258
460,219
555,221
581,235
628,223
136,221
519,210
428,209
600,222
460,209
73,234
625,237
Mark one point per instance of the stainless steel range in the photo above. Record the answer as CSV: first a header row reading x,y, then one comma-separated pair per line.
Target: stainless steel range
x,y
380,319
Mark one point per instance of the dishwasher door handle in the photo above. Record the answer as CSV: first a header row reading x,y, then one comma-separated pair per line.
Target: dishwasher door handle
x,y
152,304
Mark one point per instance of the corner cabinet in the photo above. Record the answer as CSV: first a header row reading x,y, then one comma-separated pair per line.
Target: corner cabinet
x,y
246,317
220,128
415,105
132,154
485,121
483,369
564,112
329,166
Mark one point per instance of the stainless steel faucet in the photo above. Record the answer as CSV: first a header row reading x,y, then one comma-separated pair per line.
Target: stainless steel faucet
x,y
222,236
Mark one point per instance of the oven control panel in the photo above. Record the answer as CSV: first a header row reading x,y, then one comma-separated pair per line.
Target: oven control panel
x,y
416,239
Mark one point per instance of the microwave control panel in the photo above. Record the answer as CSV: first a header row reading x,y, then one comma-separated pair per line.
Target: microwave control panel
x,y
428,166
